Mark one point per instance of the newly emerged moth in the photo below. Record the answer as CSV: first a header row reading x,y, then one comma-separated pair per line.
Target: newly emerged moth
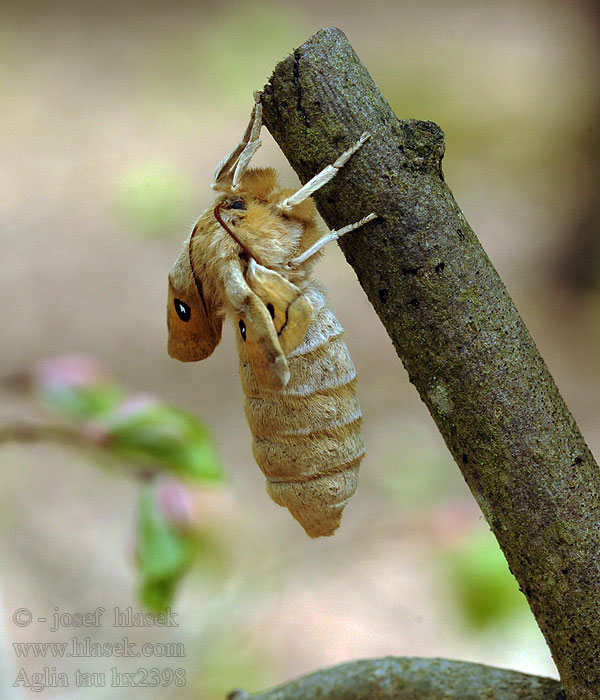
x,y
249,257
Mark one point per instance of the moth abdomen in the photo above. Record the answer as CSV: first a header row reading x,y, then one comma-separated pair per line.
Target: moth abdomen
x,y
305,456
317,504
306,437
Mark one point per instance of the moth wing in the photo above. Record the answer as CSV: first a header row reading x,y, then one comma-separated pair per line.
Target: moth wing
x,y
194,323
291,311
260,347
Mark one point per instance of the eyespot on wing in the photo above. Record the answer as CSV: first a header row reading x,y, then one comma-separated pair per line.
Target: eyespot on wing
x,y
194,327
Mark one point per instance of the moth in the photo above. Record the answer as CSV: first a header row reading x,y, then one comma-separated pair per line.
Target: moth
x,y
249,258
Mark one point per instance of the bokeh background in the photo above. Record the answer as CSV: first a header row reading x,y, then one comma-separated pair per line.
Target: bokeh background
x,y
113,118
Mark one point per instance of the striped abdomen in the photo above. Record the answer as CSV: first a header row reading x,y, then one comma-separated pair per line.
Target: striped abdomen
x,y
306,438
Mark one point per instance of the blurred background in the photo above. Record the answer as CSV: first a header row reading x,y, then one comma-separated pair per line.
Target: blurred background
x,y
113,118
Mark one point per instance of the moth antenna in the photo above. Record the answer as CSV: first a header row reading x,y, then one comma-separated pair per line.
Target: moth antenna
x,y
322,178
238,160
331,236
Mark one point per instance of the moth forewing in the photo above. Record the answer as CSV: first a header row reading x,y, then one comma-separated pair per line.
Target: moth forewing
x,y
254,255
193,323
289,308
257,333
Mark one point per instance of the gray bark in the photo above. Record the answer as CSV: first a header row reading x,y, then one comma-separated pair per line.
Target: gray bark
x,y
395,678
460,338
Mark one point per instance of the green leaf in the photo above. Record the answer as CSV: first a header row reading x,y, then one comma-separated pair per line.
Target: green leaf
x,y
75,385
156,595
486,590
158,435
164,554
80,403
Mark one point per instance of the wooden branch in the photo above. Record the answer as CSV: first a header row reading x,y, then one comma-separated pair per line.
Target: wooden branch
x,y
459,336
393,678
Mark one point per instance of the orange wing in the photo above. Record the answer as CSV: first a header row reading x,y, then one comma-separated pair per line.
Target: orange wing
x,y
194,325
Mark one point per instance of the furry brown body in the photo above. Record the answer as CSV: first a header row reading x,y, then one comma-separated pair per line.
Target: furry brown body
x,y
249,258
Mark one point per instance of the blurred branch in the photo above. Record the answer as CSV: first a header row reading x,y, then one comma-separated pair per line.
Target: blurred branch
x,y
394,678
458,334
31,432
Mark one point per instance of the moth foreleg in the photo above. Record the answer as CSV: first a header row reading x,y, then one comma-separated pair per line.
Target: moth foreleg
x,y
331,236
322,178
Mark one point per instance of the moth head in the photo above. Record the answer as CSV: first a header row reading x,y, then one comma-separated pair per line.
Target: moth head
x,y
193,321
254,219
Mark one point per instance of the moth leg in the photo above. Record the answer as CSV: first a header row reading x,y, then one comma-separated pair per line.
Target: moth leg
x,y
322,178
259,342
331,236
231,169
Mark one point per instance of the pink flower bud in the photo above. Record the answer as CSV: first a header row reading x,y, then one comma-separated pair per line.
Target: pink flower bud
x,y
70,370
175,501
134,404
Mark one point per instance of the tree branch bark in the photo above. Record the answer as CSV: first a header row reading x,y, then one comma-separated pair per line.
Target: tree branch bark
x,y
394,678
459,336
